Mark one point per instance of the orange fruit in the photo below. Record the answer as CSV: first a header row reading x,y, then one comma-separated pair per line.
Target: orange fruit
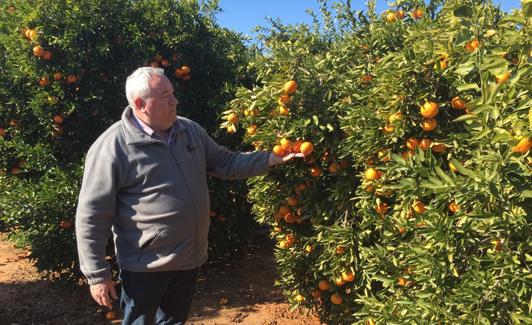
x,y
336,299
306,148
284,210
348,276
58,119
251,130
284,99
340,250
231,129
524,145
372,174
186,77
428,124
417,13
424,144
402,281
419,207
381,208
286,144
290,218
110,315
44,81
457,103
502,78
339,281
316,171
58,76
309,249
290,87
439,148
3,132
388,128
178,73
185,69
283,111
299,298
370,322
282,244
47,55
453,207
232,118
412,143
429,109
290,239
400,14
472,45
334,168
324,285
65,224
278,150
316,293
38,50
391,17
71,78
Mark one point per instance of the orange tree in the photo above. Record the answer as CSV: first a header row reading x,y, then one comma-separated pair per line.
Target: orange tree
x,y
63,66
414,204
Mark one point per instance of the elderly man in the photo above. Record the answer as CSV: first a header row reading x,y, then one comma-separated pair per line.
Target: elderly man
x,y
146,181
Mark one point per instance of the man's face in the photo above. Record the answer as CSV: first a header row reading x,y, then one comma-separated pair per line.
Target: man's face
x,y
160,106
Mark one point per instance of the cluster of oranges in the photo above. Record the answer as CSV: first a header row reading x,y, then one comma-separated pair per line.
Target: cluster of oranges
x,y
159,61
393,16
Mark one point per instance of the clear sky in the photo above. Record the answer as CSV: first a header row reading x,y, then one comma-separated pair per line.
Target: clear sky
x,y
244,15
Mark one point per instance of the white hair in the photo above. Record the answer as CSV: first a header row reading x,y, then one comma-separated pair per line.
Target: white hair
x,y
137,83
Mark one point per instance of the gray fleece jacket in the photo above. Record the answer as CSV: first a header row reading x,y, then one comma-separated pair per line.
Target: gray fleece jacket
x,y
153,197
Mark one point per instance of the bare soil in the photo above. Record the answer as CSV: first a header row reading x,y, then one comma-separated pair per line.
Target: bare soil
x,y
235,292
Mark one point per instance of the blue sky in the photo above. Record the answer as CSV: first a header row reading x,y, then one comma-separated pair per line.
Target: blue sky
x,y
243,15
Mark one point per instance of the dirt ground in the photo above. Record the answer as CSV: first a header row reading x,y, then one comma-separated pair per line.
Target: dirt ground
x,y
240,292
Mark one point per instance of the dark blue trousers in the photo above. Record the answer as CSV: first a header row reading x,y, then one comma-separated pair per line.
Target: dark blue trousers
x,y
161,298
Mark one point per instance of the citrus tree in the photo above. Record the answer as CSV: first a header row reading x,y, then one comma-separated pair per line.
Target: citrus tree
x,y
413,203
63,66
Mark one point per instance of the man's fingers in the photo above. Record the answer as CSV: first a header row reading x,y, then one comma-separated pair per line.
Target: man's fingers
x,y
107,302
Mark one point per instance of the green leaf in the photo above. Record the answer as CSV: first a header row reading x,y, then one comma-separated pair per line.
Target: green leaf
x,y
466,117
468,87
494,64
527,8
463,11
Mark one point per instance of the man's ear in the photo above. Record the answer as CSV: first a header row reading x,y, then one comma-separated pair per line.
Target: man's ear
x,y
139,103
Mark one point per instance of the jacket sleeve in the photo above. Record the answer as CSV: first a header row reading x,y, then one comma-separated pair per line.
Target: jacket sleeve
x,y
226,164
95,214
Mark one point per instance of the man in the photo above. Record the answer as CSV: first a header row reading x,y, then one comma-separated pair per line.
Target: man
x,y
146,180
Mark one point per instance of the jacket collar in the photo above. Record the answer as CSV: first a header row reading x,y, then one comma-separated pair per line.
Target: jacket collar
x,y
134,136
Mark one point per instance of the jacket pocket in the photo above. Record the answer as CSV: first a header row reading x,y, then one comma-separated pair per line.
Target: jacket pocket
x,y
145,243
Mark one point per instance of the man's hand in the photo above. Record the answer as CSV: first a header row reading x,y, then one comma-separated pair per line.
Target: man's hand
x,y
274,160
103,292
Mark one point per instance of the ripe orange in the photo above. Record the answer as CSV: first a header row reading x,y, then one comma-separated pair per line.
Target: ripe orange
x,y
428,124
424,144
58,76
58,119
290,87
71,78
418,207
44,81
457,103
339,281
429,109
324,285
309,249
286,144
290,217
316,293
290,239
38,51
316,171
3,132
251,130
110,315
524,145
372,174
381,208
340,250
370,322
336,299
283,111
417,13
439,148
306,148
284,210
400,14
282,244
334,167
402,281
231,129
178,73
391,17
388,128
284,99
412,143
453,207
232,118
348,276
278,150
47,55
185,69
299,298
502,78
